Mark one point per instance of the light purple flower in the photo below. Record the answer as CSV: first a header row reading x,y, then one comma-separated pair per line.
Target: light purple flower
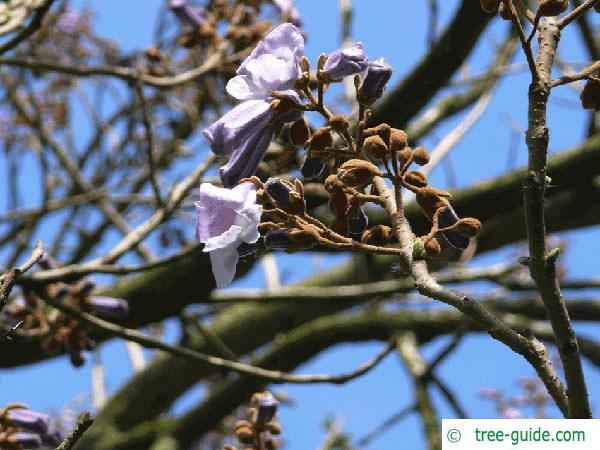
x,y
345,62
246,131
288,7
110,307
69,21
511,413
28,420
226,219
188,14
24,440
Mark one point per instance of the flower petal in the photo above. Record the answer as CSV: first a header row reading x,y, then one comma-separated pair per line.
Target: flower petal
x,y
224,262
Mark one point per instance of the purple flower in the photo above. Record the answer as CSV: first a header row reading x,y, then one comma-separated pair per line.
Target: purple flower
x,y
267,407
447,218
312,168
196,17
246,131
226,219
110,307
511,413
28,420
357,223
287,7
345,62
378,74
279,190
69,21
278,239
24,440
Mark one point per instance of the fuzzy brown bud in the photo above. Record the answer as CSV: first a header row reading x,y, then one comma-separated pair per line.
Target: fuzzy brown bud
x,y
265,227
431,199
243,423
245,435
504,12
590,96
421,156
553,7
339,123
432,247
399,139
320,140
375,147
271,444
338,204
468,227
273,427
378,235
358,173
415,178
304,238
332,184
404,155
490,6
299,132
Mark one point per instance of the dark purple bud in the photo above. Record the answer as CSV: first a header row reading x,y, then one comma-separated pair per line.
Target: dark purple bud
x,y
24,440
196,17
447,218
28,420
278,239
245,159
85,287
346,62
62,291
279,190
357,223
89,344
46,262
266,408
109,307
378,74
77,358
312,168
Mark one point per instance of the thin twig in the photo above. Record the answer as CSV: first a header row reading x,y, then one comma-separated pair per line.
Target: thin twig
x,y
84,421
575,13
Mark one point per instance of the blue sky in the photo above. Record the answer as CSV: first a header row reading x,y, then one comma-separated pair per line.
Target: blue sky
x,y
391,29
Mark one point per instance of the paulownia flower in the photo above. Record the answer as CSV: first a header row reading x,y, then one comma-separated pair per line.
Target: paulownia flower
x,y
345,62
246,131
226,219
188,14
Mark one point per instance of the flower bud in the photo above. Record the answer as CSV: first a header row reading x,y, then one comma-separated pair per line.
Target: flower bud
x,y
590,96
448,218
273,427
338,204
279,190
358,173
357,222
242,423
188,14
245,435
378,235
420,156
432,247
271,444
415,178
399,139
468,227
404,155
265,227
375,147
490,6
109,307
28,420
332,184
378,74
339,123
320,140
344,62
419,249
299,132
312,168
20,440
553,7
266,408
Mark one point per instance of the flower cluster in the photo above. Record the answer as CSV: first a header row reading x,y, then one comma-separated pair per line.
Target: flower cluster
x,y
22,428
534,397
276,89
60,331
255,432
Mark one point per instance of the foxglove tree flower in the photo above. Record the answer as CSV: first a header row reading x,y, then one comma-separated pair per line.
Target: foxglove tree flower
x,y
378,74
226,219
188,14
109,307
246,130
345,62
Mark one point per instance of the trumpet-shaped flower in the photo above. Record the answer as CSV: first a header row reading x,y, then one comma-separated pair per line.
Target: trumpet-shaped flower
x,y
226,219
346,61
246,130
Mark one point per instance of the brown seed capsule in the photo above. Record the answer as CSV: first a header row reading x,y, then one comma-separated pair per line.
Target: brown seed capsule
x,y
490,6
299,132
338,204
339,123
553,7
415,178
273,427
378,235
590,96
468,227
421,156
375,147
358,172
320,140
399,139
245,435
432,247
